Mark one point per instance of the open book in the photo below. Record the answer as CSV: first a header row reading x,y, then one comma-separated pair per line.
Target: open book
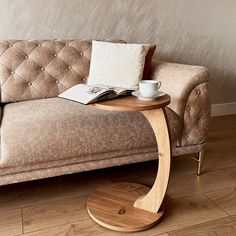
x,y
86,94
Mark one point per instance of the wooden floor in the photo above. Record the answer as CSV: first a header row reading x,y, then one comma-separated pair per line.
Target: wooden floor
x,y
196,205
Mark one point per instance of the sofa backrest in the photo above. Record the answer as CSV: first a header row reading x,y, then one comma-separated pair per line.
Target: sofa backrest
x,y
34,69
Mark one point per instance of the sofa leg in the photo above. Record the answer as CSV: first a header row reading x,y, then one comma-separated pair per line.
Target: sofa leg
x,y
200,161
199,156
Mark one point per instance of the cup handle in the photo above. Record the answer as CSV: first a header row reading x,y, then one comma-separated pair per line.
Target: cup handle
x,y
159,85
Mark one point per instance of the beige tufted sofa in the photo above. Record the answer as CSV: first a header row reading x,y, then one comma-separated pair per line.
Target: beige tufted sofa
x,y
44,136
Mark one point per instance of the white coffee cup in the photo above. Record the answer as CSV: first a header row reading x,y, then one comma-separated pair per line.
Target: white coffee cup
x,y
148,88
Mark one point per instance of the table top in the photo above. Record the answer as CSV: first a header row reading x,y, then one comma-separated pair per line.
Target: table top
x,y
131,103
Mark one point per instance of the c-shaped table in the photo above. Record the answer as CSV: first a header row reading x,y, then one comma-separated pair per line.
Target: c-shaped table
x,y
129,207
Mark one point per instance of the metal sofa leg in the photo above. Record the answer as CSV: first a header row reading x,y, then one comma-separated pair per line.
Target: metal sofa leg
x,y
199,156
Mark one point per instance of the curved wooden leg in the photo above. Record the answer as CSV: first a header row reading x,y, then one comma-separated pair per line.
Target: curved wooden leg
x,y
153,199
130,207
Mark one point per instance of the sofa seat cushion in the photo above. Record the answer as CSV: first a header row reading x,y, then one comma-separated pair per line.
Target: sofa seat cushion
x,y
53,129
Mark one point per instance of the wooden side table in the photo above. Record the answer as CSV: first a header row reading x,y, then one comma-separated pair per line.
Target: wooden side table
x,y
126,206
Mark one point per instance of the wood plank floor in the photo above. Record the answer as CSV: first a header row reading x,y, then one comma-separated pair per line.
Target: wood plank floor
x,y
196,205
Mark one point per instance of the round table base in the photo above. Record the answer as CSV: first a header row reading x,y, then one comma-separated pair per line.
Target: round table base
x,y
112,207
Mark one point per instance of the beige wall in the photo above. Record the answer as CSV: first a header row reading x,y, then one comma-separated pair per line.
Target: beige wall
x,y
188,31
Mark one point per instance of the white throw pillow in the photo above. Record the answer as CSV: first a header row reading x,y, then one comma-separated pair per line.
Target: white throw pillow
x,y
117,64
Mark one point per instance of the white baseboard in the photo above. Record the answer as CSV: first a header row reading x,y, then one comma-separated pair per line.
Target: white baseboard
x,y
223,109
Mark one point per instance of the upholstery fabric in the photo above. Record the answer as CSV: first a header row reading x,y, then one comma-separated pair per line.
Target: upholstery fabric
x,y
189,149
119,65
49,169
48,137
53,129
178,81
69,169
32,69
196,116
76,160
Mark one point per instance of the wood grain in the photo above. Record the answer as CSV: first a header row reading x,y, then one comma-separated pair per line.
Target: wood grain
x,y
54,213
112,207
85,227
187,185
154,198
10,222
185,212
180,213
131,103
57,197
46,190
232,171
221,227
216,123
224,198
145,211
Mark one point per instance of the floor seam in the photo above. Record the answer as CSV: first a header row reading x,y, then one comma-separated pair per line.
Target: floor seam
x,y
216,204
55,226
22,221
224,217
178,175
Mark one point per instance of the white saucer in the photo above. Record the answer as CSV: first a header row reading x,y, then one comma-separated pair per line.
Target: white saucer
x,y
155,97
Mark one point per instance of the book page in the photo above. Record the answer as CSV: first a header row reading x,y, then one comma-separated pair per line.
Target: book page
x,y
118,90
84,93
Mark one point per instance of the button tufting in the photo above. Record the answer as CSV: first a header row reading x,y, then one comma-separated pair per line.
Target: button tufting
x,y
19,76
198,92
188,108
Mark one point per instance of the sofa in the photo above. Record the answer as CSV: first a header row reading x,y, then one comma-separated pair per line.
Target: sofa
x,y
44,136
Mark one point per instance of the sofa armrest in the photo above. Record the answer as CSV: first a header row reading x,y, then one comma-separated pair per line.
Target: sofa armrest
x,y
178,81
188,87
